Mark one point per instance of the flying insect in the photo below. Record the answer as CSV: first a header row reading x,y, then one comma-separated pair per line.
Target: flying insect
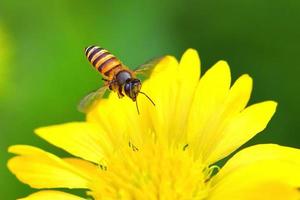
x,y
116,76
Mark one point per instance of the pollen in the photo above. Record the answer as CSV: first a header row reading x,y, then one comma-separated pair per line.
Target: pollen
x,y
152,173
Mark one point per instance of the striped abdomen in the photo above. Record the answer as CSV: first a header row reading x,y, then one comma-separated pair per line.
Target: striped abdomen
x,y
102,60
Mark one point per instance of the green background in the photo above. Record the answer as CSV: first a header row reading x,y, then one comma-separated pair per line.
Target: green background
x,y
43,71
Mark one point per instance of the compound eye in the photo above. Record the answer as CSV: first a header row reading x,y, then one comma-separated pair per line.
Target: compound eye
x,y
132,90
136,88
126,87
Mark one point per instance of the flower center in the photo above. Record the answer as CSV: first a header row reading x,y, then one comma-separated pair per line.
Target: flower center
x,y
152,172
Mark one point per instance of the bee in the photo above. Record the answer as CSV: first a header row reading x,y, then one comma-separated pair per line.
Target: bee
x,y
116,76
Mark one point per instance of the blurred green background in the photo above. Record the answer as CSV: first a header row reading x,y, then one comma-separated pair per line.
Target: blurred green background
x,y
44,73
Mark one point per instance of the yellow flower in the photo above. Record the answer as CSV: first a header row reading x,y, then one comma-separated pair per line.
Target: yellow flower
x,y
168,151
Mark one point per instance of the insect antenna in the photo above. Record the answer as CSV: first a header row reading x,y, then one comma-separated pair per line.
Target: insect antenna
x,y
148,97
136,103
137,107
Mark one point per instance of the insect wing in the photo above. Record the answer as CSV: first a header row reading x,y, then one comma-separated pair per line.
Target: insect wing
x,y
147,68
90,98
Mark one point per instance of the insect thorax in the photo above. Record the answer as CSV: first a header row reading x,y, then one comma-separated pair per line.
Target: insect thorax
x,y
122,76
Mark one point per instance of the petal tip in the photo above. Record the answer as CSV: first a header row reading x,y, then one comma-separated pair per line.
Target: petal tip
x,y
190,51
38,131
189,64
223,63
10,149
247,76
14,148
247,79
221,68
9,165
190,54
167,60
273,105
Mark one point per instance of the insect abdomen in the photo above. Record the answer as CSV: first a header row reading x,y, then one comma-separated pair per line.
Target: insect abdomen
x,y
102,60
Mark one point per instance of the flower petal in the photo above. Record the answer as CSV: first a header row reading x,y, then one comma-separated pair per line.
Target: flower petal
x,y
209,96
242,128
189,67
50,195
167,65
187,80
259,172
239,95
258,191
88,168
85,140
160,87
41,169
234,103
115,117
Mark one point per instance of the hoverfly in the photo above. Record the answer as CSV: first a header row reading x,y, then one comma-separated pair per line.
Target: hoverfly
x,y
117,77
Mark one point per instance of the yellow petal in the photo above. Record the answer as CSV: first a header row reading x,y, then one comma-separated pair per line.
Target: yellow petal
x,y
239,95
118,118
78,138
89,169
242,128
258,191
160,87
41,169
51,195
234,103
187,80
261,152
167,65
259,172
209,96
189,67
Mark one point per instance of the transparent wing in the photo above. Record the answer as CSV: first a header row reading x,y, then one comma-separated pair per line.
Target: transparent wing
x,y
147,68
87,101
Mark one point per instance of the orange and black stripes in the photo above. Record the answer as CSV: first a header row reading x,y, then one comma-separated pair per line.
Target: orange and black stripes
x,y
102,60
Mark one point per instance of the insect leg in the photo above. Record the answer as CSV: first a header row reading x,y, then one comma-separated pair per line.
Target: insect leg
x,y
120,94
104,79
